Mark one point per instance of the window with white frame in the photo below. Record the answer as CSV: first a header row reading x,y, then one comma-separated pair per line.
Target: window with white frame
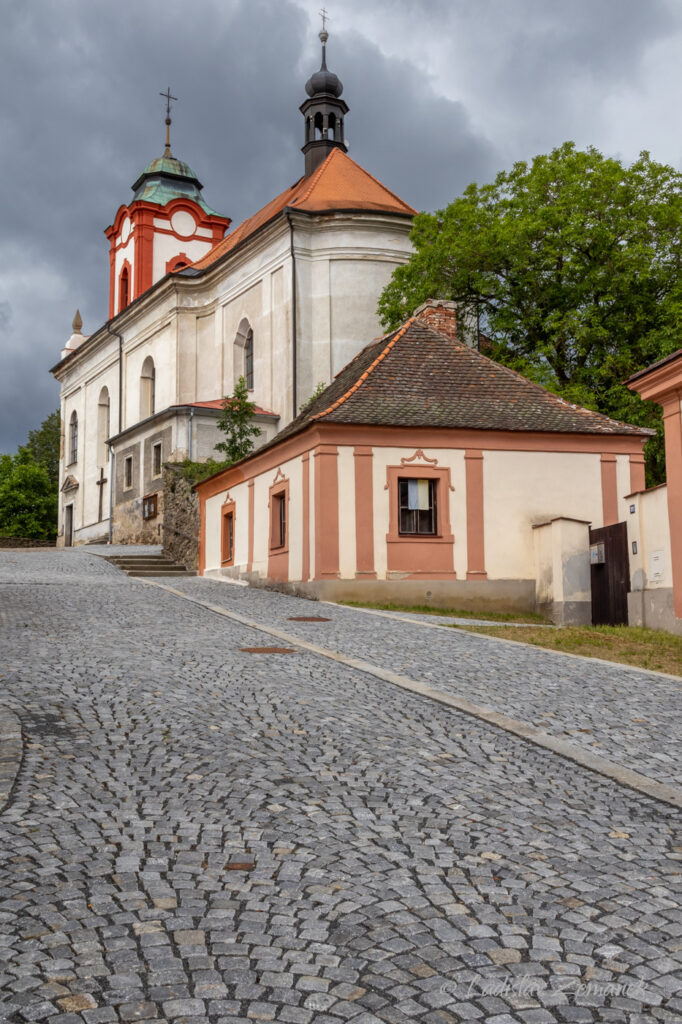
x,y
417,506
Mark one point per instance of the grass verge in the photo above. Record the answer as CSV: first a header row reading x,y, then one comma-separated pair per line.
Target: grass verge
x,y
630,645
459,613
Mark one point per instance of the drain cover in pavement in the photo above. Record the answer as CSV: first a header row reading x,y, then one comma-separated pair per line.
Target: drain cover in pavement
x,y
307,618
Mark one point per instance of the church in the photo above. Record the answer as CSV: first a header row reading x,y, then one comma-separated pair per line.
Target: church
x,y
285,300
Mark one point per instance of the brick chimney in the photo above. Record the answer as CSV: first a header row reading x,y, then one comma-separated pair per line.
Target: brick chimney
x,y
439,314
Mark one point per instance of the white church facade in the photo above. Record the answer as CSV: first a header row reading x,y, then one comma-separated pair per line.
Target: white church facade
x,y
285,299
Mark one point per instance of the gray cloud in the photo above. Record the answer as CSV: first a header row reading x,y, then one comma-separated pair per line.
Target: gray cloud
x,y
442,92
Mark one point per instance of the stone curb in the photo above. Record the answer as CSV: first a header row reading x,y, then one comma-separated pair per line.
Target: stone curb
x,y
11,754
609,769
471,630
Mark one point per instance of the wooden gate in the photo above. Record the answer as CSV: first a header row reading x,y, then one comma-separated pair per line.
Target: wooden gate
x,y
610,575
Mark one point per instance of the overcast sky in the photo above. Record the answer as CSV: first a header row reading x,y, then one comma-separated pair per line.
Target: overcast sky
x,y
441,93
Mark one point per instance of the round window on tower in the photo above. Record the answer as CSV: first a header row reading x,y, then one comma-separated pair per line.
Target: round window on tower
x,y
183,223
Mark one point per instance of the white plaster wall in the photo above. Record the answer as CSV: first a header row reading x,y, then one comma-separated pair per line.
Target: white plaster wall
x,y
208,359
522,489
162,350
165,247
108,377
347,539
261,523
649,527
458,510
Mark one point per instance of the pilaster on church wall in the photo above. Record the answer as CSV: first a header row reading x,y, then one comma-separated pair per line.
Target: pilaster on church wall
x,y
104,375
280,345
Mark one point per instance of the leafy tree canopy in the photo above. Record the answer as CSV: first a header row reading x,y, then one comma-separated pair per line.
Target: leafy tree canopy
x,y
28,498
43,445
570,265
236,422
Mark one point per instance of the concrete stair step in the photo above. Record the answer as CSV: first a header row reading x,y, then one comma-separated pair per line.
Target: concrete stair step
x,y
179,571
143,563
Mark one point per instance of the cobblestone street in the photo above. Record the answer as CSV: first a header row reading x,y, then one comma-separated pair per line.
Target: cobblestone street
x,y
201,834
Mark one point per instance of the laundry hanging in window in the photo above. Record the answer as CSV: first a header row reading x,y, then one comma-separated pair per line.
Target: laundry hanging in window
x,y
418,495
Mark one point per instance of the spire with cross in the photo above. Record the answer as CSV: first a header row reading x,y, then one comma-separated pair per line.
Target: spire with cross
x,y
168,98
324,36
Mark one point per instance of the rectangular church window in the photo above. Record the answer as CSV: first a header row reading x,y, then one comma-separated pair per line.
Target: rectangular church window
x,y
128,471
417,511
149,506
156,459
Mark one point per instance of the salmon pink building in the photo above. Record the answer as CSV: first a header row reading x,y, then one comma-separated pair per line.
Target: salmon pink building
x,y
425,471
654,516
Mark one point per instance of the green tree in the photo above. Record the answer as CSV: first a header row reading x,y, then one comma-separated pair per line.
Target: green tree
x,y
571,265
236,422
28,498
43,445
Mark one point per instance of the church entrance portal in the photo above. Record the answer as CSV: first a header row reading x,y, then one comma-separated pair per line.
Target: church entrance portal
x,y
68,526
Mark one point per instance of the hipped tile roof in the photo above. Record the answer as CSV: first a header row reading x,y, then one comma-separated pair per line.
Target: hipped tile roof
x,y
338,184
418,377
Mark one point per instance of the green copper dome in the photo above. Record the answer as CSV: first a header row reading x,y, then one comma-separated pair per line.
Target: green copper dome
x,y
167,178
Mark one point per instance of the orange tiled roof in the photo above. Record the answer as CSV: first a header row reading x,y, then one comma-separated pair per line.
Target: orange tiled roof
x,y
337,184
217,403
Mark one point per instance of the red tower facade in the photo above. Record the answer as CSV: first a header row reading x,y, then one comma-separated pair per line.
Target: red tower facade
x,y
166,227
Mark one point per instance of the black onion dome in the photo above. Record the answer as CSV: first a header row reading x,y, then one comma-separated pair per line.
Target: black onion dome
x,y
324,81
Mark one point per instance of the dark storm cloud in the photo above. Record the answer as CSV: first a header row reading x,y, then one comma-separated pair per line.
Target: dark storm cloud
x,y
81,116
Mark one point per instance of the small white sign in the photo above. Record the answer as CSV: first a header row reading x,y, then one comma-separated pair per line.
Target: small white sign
x,y
597,556
656,566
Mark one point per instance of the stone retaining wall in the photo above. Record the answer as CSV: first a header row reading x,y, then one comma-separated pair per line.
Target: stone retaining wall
x,y
180,519
11,752
24,542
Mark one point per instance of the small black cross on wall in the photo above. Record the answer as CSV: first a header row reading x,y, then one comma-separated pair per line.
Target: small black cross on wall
x,y
100,483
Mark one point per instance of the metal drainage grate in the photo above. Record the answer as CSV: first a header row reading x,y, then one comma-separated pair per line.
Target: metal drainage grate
x,y
268,650
307,618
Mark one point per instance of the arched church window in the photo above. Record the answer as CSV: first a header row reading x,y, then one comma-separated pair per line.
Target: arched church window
x,y
147,388
332,126
73,438
103,412
124,289
319,126
178,262
243,354
248,360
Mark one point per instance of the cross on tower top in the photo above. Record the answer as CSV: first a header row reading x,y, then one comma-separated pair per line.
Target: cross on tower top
x,y
324,35
167,96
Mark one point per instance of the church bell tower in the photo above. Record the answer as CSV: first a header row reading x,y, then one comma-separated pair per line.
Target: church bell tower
x,y
324,112
166,227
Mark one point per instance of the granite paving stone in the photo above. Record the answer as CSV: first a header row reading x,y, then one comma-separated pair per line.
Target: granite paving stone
x,y
200,834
